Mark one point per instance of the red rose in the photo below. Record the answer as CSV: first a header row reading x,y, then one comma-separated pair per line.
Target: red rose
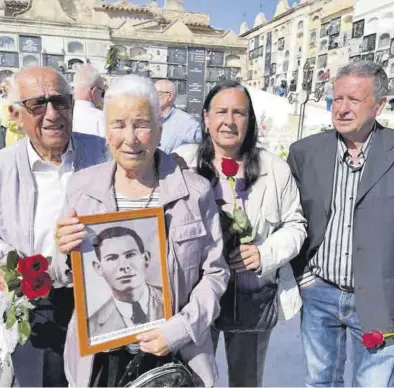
x,y
32,265
37,286
230,167
373,339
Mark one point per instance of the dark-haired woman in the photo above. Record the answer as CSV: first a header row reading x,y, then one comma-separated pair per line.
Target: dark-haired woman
x,y
265,189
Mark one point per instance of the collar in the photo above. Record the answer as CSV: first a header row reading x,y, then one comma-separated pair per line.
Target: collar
x,y
169,114
35,158
343,151
126,308
84,103
171,182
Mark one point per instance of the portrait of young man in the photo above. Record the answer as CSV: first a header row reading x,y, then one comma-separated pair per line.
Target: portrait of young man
x,y
122,261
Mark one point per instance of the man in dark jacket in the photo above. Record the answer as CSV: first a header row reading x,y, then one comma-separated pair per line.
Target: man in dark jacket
x,y
346,267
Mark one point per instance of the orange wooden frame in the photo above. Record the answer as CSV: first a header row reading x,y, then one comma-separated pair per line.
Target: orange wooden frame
x,y
85,348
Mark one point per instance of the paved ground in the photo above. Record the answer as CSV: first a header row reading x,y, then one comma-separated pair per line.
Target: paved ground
x,y
285,362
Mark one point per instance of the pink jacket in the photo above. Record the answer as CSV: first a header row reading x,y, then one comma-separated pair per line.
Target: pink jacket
x,y
198,272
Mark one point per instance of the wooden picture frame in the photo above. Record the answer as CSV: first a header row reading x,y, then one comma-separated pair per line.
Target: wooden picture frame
x,y
105,278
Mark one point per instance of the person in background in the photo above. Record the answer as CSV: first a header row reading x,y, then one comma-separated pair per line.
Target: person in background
x,y
328,88
89,91
178,126
142,176
346,267
34,173
267,192
11,132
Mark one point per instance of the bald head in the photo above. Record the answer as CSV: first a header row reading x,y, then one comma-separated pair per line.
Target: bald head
x,y
89,85
32,77
167,95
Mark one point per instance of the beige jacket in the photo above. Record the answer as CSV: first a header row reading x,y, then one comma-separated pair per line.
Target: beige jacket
x,y
197,269
274,208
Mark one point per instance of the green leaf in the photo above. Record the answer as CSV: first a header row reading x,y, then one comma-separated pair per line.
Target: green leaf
x,y
3,267
236,228
9,276
24,329
248,238
241,219
228,214
12,260
13,284
11,317
49,259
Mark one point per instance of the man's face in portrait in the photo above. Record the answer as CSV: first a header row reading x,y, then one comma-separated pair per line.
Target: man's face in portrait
x,y
122,264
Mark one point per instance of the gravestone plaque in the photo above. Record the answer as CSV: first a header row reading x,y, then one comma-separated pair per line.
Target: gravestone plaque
x,y
9,59
30,44
177,55
195,80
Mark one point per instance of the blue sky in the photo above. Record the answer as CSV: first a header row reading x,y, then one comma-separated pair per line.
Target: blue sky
x,y
226,14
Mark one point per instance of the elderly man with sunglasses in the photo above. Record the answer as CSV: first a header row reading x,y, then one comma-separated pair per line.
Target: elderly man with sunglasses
x,y
33,175
89,91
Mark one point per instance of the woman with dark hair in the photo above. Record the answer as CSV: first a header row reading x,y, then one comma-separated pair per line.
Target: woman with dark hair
x,y
263,228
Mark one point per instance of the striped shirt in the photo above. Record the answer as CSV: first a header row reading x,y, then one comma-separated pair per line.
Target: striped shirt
x,y
333,260
124,203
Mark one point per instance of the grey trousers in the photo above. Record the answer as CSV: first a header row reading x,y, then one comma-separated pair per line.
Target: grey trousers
x,y
245,353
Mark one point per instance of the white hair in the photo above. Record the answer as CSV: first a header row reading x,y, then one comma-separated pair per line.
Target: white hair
x,y
134,86
86,77
14,87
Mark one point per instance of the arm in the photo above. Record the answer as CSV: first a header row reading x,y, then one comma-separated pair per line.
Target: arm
x,y
285,243
193,133
195,319
300,266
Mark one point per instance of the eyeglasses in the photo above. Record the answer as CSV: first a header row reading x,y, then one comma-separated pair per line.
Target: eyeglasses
x,y
38,105
160,93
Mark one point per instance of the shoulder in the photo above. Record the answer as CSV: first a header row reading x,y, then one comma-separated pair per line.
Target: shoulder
x,y
87,177
309,143
103,313
155,293
274,165
9,154
87,140
182,115
196,184
189,154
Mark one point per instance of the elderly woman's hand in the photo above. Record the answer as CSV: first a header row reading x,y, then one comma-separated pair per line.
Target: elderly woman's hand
x,y
69,233
153,342
245,258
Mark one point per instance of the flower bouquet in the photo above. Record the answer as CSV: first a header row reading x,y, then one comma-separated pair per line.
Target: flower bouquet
x,y
237,230
24,281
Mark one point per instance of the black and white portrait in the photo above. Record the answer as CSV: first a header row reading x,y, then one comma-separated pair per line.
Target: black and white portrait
x,y
281,44
358,29
370,57
122,279
382,57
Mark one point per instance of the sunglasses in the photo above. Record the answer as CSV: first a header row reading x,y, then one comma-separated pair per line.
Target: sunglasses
x,y
38,105
102,91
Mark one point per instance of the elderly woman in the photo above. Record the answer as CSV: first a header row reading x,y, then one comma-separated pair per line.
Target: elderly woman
x,y
141,176
262,186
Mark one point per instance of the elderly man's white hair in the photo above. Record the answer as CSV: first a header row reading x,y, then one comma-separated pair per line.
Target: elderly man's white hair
x,y
86,77
134,86
14,91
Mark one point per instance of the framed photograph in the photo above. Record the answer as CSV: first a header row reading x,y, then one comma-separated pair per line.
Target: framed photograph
x,y
324,29
369,42
358,29
333,42
370,57
121,283
382,57
281,44
392,48
334,27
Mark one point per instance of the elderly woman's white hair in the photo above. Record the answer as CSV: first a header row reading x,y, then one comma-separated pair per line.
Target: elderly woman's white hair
x,y
134,86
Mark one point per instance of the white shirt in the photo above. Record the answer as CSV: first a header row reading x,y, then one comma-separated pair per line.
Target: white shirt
x,y
126,309
88,119
50,182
